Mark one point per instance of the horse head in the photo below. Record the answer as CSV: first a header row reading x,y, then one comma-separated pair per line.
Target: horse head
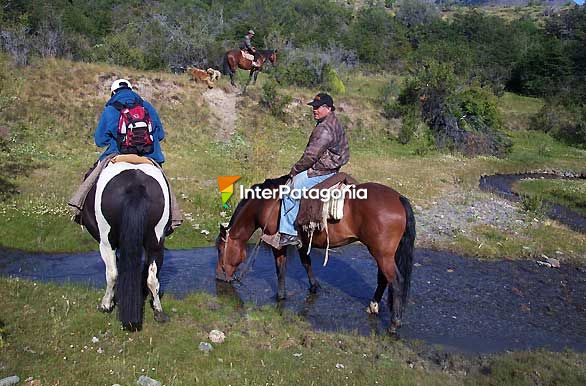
x,y
273,57
231,253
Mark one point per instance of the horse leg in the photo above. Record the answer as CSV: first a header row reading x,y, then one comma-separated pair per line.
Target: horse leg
x,y
255,76
306,261
382,283
156,263
281,265
249,79
386,265
109,258
396,293
232,79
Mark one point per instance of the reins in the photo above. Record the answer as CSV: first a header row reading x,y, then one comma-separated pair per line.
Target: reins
x,y
250,262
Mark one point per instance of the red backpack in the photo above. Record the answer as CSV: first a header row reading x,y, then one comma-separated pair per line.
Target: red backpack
x,y
135,129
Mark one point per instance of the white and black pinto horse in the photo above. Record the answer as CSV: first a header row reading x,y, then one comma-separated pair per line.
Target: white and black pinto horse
x,y
127,212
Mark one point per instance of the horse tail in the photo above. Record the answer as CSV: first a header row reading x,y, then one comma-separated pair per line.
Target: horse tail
x,y
129,291
404,255
226,65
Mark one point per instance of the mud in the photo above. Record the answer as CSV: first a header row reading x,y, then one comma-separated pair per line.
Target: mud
x,y
457,304
502,185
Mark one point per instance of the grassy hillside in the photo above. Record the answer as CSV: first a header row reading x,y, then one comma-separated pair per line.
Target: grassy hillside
x,y
55,106
48,113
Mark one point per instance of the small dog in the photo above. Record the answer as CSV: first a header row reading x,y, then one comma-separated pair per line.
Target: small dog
x,y
200,76
214,74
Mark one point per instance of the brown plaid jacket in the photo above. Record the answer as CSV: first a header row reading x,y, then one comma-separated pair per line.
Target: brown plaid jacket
x,y
327,150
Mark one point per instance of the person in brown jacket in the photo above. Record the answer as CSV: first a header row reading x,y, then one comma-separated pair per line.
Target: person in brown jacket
x,y
326,152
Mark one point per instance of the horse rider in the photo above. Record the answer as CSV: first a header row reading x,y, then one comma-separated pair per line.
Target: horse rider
x,y
326,152
107,134
246,45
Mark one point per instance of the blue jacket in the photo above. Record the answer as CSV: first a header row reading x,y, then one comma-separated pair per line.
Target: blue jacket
x,y
108,126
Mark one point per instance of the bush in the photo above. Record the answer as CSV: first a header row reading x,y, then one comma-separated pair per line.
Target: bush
x,y
480,103
462,118
332,81
417,12
272,99
562,123
408,128
313,67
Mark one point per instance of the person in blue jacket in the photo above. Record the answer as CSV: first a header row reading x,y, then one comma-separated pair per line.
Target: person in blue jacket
x,y
107,129
106,135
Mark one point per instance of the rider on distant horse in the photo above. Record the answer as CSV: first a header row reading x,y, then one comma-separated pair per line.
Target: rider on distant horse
x,y
107,134
246,45
326,152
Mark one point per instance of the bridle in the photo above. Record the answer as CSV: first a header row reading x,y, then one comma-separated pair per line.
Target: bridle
x,y
249,262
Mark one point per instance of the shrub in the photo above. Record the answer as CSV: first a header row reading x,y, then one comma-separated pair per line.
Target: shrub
x,y
272,99
480,103
562,123
408,128
532,203
332,81
462,118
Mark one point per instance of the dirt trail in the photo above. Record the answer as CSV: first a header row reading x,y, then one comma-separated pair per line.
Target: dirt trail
x,y
223,108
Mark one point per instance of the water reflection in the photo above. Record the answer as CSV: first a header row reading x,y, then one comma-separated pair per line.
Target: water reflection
x,y
462,304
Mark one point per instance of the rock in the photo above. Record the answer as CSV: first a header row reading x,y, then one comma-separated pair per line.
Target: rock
x,y
13,380
217,336
143,380
555,263
205,347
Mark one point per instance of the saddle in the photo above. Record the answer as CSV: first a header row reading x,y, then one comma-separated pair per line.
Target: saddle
x,y
132,159
314,213
247,55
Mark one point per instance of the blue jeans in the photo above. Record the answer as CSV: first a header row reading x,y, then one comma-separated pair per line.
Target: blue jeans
x,y
290,206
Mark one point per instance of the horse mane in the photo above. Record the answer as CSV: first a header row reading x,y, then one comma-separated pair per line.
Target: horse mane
x,y
269,183
266,54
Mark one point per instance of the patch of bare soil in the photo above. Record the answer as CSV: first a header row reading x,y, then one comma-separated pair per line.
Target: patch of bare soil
x,y
223,109
149,89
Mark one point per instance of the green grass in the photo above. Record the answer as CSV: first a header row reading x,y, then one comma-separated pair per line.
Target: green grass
x,y
517,110
570,193
47,333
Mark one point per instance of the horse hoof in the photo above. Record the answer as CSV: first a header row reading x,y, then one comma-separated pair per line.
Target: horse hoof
x,y
105,310
161,317
372,308
313,288
395,324
132,327
281,297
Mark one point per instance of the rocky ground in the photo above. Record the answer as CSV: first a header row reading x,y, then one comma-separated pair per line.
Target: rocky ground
x,y
461,212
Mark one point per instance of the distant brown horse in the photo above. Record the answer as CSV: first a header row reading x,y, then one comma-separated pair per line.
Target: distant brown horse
x,y
233,60
384,222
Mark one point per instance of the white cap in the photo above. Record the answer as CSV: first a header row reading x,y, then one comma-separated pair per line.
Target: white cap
x,y
119,83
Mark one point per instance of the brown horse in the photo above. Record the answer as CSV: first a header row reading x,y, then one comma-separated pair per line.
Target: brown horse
x,y
233,60
384,222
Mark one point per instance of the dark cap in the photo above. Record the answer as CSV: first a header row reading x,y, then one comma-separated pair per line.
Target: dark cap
x,y
322,99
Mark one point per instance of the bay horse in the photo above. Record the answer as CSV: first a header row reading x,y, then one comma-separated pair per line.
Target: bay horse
x,y
234,59
383,222
127,212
